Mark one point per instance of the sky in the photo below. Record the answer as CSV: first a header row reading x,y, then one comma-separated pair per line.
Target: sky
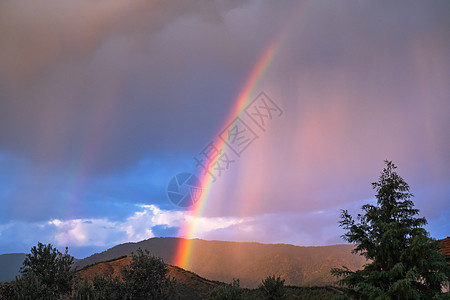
x,y
103,102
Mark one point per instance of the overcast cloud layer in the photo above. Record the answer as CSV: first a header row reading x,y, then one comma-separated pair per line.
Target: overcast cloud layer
x,y
102,102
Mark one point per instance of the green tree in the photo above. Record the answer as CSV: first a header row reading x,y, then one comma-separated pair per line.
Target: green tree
x,y
146,277
231,291
45,274
101,288
7,291
403,261
109,289
32,287
82,289
273,288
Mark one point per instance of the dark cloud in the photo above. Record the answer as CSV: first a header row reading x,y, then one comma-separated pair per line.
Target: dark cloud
x,y
36,35
159,77
109,97
102,102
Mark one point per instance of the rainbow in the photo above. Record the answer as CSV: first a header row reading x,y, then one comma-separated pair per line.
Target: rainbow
x,y
185,245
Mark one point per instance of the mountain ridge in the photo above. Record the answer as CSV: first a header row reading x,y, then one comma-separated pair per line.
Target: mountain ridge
x,y
251,262
225,260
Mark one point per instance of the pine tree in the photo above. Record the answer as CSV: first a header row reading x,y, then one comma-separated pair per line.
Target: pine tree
x,y
403,261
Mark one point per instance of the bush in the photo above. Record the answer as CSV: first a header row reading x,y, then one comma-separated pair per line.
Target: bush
x,y
273,288
146,277
230,291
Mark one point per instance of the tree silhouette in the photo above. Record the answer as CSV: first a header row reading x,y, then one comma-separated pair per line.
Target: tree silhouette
x,y
403,261
45,274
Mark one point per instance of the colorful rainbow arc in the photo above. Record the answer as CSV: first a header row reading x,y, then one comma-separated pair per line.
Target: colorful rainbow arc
x,y
185,246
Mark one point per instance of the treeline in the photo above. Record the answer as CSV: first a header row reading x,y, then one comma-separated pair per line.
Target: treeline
x,y
271,288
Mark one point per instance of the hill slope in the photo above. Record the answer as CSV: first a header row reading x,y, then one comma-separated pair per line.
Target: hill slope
x,y
189,285
250,262
10,265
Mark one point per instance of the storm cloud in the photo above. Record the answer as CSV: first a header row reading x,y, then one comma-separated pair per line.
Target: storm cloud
x,y
102,102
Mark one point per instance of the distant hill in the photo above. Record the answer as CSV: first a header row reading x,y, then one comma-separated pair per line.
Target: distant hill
x,y
250,262
10,265
164,248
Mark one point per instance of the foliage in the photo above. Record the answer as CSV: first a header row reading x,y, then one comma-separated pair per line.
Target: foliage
x,y
31,286
146,277
109,289
273,288
6,291
311,293
234,291
101,289
45,274
51,267
82,290
231,291
403,260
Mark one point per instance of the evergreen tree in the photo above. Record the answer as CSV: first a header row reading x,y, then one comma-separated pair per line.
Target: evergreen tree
x,y
403,261
7,290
